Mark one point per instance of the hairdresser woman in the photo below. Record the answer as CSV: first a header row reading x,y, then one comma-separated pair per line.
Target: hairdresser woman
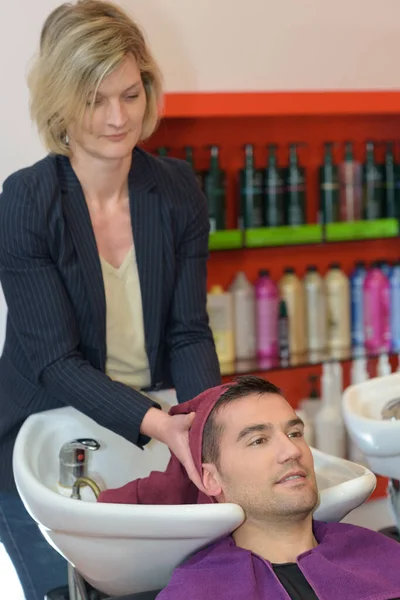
x,y
103,252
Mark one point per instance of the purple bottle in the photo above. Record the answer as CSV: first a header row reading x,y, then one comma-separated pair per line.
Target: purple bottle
x,y
267,305
376,311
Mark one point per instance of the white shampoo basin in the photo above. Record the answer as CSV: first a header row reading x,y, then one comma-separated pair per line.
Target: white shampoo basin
x,y
378,439
122,549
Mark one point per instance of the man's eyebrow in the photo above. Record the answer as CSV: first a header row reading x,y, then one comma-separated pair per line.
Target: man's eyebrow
x,y
260,427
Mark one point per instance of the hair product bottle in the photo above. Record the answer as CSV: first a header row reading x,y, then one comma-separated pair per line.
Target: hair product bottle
x,y
357,306
330,433
245,317
274,196
283,333
295,190
395,306
221,314
350,179
385,266
214,188
338,302
373,185
162,151
383,367
392,197
267,301
359,373
190,159
316,310
376,311
251,191
329,187
291,289
312,403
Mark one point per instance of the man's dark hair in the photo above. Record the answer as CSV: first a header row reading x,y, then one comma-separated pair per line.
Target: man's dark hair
x,y
244,386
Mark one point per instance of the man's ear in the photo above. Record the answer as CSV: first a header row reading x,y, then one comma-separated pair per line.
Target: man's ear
x,y
211,480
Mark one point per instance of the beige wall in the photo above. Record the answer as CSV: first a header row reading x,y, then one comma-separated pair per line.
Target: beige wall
x,y
218,45
273,45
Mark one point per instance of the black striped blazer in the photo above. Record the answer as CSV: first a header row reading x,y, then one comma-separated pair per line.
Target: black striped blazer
x,y
55,347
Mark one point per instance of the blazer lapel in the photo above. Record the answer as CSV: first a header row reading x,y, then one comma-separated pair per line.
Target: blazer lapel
x,y
77,216
148,239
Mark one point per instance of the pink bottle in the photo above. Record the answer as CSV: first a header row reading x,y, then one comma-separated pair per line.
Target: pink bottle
x,y
376,311
267,304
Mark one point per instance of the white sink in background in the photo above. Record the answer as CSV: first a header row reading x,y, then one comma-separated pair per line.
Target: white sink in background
x,y
122,549
378,439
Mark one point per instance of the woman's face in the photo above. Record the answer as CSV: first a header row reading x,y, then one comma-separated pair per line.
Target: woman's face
x,y
112,128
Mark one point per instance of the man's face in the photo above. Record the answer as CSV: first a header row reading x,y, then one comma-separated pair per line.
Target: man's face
x,y
262,444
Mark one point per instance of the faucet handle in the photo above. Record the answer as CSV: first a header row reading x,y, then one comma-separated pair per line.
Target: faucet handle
x,y
73,458
69,449
88,443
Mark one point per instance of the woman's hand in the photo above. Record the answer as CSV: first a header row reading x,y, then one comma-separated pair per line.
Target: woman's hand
x,y
174,432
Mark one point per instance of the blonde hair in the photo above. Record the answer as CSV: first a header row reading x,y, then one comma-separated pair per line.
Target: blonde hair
x,y
80,45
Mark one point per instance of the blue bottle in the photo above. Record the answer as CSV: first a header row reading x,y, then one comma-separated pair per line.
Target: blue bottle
x,y
385,267
357,305
395,306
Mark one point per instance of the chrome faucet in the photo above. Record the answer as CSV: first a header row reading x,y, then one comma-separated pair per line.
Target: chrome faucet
x,y
74,457
391,410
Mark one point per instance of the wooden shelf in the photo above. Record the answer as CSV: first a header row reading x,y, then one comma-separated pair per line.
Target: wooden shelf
x,y
272,104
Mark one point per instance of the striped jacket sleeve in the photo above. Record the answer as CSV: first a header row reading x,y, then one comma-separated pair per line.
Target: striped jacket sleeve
x,y
42,314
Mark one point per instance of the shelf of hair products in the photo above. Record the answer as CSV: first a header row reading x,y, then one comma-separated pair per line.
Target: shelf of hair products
x,y
356,200
267,325
323,317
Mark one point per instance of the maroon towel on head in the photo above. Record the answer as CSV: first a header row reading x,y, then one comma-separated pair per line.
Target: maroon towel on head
x,y
173,486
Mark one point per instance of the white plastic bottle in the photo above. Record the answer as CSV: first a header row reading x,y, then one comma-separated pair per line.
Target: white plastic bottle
x,y
316,311
337,374
330,433
244,317
359,373
384,367
338,304
220,312
312,403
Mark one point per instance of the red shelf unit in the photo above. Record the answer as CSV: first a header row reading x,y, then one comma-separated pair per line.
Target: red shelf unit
x,y
231,120
381,488
261,104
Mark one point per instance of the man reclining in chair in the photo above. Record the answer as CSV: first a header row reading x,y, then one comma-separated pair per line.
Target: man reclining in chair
x,y
248,443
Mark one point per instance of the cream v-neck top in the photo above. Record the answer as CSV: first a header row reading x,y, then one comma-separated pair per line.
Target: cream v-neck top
x,y
126,359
